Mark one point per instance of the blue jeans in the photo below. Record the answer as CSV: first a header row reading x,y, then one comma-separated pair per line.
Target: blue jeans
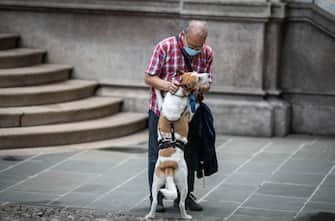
x,y
153,153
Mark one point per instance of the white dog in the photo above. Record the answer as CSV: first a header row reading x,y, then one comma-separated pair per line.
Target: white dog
x,y
170,168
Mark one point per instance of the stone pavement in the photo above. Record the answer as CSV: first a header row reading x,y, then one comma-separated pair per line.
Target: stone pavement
x,y
258,179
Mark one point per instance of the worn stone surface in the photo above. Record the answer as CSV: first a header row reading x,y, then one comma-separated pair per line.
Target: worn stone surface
x,y
258,179
13,212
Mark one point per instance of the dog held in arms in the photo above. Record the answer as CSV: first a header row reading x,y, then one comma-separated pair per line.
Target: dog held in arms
x,y
172,129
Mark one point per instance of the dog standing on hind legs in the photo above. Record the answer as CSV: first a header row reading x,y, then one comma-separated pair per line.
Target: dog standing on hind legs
x,y
171,168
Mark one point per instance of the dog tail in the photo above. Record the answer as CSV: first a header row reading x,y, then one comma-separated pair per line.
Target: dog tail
x,y
170,190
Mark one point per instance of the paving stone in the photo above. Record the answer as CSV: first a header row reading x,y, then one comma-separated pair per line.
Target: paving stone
x,y
245,145
7,181
274,203
216,210
27,169
92,189
321,150
317,154
238,157
258,167
330,181
4,166
26,197
101,156
284,145
204,185
271,158
222,139
83,166
116,201
53,158
230,193
53,182
286,190
297,178
252,179
78,200
307,166
227,167
325,194
144,207
257,218
261,215
314,207
170,214
117,175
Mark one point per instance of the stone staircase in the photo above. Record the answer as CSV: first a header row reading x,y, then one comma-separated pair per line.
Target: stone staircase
x,y
40,105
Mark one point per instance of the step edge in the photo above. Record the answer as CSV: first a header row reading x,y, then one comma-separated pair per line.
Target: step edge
x,y
94,124
70,85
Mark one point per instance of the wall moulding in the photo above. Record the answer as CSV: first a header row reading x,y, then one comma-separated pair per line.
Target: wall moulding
x,y
256,11
312,14
214,89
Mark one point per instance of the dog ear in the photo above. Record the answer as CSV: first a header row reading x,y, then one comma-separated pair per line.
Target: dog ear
x,y
179,72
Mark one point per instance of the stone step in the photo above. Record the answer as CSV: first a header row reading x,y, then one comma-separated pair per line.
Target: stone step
x,y
34,75
84,109
117,125
8,41
21,57
47,94
134,142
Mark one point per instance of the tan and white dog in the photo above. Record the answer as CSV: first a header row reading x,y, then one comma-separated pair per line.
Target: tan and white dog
x,y
170,168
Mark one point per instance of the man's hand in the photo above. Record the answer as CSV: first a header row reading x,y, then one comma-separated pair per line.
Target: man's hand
x,y
203,88
199,94
172,87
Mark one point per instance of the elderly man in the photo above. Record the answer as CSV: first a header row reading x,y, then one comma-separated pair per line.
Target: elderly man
x,y
187,51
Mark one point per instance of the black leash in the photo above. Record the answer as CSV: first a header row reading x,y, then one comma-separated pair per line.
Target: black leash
x,y
187,61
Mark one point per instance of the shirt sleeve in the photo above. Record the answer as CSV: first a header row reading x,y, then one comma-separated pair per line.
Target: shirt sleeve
x,y
156,61
209,68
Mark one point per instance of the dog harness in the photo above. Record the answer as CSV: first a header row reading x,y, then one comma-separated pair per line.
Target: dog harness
x,y
166,143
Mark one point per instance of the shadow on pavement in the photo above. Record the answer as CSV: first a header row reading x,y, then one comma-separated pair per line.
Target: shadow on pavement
x,y
320,216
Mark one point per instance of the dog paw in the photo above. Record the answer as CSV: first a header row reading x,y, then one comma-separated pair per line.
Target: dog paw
x,y
187,216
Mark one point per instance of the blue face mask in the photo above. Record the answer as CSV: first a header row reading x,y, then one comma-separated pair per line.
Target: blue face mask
x,y
190,51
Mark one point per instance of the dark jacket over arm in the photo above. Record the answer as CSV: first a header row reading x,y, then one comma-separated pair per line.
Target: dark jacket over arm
x,y
201,142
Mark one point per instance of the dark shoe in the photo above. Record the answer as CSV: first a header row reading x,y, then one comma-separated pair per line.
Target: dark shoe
x,y
160,207
191,203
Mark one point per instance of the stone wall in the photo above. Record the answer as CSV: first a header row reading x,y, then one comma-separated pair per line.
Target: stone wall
x,y
308,64
111,41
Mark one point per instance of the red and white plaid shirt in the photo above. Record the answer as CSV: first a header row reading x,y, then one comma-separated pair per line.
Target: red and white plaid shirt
x,y
167,58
